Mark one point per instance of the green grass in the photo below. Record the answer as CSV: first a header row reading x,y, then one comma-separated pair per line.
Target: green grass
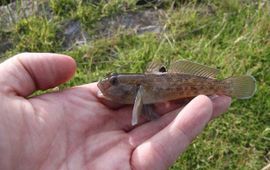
x,y
233,36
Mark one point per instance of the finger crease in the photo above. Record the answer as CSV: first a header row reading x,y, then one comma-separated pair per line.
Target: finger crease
x,y
30,73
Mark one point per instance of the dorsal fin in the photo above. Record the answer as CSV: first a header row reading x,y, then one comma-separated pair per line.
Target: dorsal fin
x,y
155,67
188,67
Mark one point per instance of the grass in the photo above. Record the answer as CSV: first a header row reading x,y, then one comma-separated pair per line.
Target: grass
x,y
233,36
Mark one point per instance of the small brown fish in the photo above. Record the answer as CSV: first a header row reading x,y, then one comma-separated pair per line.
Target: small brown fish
x,y
184,79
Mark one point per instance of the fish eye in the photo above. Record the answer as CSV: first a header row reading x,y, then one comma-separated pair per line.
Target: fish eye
x,y
162,69
113,80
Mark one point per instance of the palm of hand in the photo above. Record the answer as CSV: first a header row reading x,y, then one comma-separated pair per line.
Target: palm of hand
x,y
72,129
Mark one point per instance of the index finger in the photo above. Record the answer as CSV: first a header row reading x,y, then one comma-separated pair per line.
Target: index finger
x,y
162,149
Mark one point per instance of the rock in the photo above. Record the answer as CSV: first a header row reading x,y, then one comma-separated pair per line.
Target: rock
x,y
73,35
139,22
5,46
70,31
14,11
5,41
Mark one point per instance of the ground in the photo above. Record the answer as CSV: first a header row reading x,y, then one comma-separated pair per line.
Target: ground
x,y
111,36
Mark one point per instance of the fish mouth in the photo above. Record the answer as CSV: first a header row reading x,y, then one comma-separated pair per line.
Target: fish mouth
x,y
101,95
99,84
103,85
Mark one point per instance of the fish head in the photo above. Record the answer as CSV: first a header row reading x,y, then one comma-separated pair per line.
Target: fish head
x,y
115,88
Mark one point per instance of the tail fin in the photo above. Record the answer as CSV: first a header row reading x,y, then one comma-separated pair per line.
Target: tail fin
x,y
242,87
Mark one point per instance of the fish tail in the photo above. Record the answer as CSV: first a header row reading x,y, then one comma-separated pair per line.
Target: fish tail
x,y
242,87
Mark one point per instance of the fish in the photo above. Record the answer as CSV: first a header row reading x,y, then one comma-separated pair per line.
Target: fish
x,y
183,79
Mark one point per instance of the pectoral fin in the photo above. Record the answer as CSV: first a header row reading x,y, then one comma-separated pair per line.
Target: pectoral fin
x,y
138,107
188,67
149,112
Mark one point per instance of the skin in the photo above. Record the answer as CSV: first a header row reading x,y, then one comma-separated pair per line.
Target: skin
x,y
74,129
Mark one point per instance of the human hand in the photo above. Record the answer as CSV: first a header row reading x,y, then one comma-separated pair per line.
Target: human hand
x,y
72,129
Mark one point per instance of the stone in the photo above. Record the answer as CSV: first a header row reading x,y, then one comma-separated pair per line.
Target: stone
x,y
72,34
139,22
14,11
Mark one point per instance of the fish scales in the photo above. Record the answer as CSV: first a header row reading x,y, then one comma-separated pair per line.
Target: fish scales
x,y
182,80
165,86
178,86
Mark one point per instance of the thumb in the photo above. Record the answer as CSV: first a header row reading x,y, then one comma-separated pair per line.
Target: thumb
x,y
27,72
